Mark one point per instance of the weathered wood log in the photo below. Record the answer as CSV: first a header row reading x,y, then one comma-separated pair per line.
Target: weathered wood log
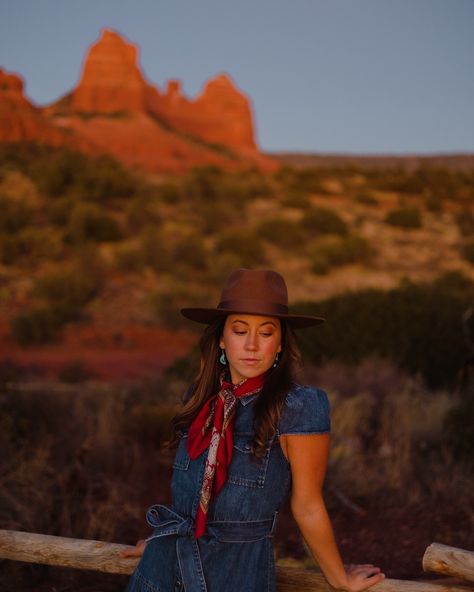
x,y
449,561
65,552
105,557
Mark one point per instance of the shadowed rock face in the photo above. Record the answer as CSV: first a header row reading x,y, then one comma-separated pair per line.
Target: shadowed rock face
x,y
116,110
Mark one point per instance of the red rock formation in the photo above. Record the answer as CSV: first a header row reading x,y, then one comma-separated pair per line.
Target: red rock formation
x,y
111,81
20,120
115,109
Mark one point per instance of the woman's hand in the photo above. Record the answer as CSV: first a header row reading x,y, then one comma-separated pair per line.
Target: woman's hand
x,y
361,577
136,551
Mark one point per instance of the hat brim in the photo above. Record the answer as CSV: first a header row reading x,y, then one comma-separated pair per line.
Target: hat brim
x,y
209,315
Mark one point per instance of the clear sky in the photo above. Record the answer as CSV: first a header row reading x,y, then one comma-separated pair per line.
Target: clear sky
x,y
344,76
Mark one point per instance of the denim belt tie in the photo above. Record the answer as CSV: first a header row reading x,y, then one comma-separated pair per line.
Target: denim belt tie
x,y
167,523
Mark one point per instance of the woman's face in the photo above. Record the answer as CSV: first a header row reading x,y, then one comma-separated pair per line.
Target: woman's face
x,y
251,344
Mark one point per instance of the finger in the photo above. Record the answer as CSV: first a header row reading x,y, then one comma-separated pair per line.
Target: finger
x,y
131,552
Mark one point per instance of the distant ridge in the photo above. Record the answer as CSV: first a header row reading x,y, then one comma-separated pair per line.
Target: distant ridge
x,y
461,161
115,110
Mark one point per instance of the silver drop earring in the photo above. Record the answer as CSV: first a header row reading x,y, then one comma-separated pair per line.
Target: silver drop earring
x,y
223,359
277,359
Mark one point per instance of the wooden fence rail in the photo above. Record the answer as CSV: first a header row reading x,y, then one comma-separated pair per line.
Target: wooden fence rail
x,y
105,557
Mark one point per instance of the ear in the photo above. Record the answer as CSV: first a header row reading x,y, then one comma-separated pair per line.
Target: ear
x,y
221,343
279,348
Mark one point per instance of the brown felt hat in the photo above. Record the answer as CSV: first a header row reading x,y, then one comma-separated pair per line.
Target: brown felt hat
x,y
253,291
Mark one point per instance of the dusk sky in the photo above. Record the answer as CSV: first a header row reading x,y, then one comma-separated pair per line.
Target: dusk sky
x,y
337,76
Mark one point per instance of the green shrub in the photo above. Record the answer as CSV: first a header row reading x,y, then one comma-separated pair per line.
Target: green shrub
x,y
366,198
36,326
305,180
170,193
419,327
244,244
154,250
166,305
284,233
323,221
60,210
190,252
201,183
296,199
140,213
404,217
130,258
434,204
150,424
69,172
88,223
11,249
338,251
459,426
468,251
465,222
15,215
31,245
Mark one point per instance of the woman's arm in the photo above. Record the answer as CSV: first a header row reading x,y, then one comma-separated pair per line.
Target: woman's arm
x,y
308,457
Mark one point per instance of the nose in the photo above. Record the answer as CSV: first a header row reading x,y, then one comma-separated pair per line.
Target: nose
x,y
251,343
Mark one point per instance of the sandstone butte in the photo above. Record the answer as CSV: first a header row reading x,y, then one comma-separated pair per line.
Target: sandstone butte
x,y
115,110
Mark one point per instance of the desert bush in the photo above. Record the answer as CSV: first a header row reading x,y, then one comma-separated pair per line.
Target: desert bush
x,y
459,424
32,246
305,180
60,210
36,326
366,199
323,221
70,172
166,303
64,295
404,217
467,251
70,288
75,372
465,222
149,424
154,249
244,244
190,252
130,258
284,233
434,204
200,183
170,193
296,199
140,212
88,223
419,327
16,215
333,251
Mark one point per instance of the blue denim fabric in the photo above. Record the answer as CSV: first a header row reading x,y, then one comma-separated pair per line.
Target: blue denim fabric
x,y
235,554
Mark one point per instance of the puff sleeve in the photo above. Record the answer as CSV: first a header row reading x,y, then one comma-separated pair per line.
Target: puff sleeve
x,y
306,411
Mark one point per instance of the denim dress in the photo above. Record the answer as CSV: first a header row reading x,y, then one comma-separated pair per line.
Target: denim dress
x,y
235,554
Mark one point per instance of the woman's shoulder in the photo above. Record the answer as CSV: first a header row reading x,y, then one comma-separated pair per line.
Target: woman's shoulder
x,y
306,411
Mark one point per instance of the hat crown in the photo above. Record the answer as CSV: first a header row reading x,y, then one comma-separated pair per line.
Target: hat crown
x,y
264,287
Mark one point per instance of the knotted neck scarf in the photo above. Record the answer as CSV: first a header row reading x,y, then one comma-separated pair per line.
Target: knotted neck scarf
x,y
213,429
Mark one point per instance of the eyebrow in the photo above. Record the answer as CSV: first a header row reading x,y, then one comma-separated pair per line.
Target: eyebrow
x,y
261,324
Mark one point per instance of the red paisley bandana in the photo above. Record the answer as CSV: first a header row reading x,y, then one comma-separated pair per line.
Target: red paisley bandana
x,y
213,429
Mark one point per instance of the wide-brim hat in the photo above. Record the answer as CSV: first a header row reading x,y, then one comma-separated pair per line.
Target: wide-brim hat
x,y
253,291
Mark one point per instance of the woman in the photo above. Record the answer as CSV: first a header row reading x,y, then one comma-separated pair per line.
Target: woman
x,y
248,436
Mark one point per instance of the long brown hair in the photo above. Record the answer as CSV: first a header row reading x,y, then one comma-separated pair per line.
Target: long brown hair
x,y
269,404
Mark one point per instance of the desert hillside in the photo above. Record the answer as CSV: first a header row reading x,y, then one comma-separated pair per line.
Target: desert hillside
x,y
89,250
